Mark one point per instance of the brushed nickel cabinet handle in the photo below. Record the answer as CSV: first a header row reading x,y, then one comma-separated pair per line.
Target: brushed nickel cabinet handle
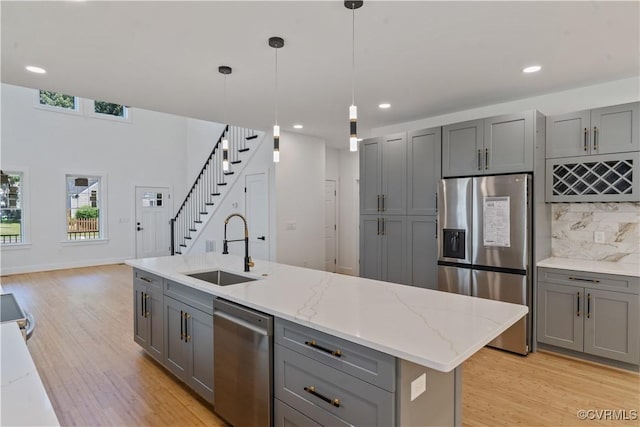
x,y
595,138
586,137
383,203
312,390
479,160
187,316
314,344
378,203
578,312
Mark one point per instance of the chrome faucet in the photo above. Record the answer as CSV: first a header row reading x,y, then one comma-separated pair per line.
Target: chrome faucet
x,y
225,243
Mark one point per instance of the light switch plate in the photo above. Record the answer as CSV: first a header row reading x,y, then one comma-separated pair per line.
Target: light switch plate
x,y
418,386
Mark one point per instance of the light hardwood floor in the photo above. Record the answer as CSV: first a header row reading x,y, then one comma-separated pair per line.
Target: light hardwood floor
x,y
96,375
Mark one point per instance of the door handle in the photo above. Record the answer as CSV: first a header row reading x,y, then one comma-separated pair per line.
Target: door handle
x,y
262,238
140,228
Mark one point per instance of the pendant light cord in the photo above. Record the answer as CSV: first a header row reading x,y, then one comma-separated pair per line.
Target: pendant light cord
x,y
353,54
224,100
276,86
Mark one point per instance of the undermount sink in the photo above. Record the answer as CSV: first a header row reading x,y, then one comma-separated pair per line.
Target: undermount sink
x,y
221,278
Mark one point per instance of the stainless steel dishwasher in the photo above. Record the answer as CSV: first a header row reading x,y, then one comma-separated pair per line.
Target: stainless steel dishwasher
x,y
243,361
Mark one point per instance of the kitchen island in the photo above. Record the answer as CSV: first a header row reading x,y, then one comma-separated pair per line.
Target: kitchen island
x,y
428,333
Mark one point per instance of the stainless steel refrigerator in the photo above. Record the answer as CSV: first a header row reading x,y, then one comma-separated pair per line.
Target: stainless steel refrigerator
x,y
484,249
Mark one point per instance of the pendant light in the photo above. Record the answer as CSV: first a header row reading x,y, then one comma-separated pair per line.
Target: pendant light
x,y
353,110
276,43
225,71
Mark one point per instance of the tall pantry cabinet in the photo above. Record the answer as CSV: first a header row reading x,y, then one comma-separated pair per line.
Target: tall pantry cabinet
x,y
399,176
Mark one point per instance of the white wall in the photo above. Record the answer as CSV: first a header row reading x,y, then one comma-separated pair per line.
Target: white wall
x,y
300,177
201,138
148,151
349,213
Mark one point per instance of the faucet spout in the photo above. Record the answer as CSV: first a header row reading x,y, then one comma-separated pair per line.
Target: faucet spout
x,y
225,244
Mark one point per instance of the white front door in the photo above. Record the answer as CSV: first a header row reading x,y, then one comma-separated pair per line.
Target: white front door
x,y
330,227
152,222
256,188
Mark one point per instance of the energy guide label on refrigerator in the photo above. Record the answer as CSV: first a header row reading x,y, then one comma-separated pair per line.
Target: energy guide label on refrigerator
x,y
497,231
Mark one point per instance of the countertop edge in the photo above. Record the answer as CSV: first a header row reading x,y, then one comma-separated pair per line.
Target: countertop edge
x,y
602,267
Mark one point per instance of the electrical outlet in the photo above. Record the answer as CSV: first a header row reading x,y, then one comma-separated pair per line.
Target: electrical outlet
x,y
598,236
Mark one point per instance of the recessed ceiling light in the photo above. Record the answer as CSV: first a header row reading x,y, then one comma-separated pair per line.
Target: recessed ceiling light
x,y
532,69
384,105
298,126
35,69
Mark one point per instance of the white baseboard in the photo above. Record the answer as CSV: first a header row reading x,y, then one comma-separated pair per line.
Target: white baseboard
x,y
6,271
345,270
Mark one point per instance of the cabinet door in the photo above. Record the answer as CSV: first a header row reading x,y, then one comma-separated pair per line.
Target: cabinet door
x,y
612,325
615,129
422,252
394,249
140,320
176,346
423,171
285,416
508,143
560,315
394,174
568,135
155,307
370,176
462,146
200,339
370,247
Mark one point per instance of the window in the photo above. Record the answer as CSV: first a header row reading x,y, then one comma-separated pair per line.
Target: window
x,y
110,109
58,100
84,207
11,218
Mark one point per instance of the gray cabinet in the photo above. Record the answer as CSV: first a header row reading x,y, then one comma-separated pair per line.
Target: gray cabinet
x,y
189,342
592,313
605,130
383,246
383,175
148,319
423,171
422,251
500,144
285,416
330,381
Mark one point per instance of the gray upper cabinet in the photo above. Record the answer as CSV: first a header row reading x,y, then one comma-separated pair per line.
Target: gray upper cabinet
x,y
423,170
383,175
501,144
605,130
508,143
462,145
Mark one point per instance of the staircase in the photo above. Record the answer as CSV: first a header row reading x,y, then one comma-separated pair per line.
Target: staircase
x,y
211,185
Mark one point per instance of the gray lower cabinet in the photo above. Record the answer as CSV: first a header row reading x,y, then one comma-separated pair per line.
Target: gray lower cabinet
x,y
592,313
330,381
285,416
383,246
500,144
606,130
189,345
148,309
422,251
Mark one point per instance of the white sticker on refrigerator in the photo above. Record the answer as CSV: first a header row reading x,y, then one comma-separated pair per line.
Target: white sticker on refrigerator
x,y
497,230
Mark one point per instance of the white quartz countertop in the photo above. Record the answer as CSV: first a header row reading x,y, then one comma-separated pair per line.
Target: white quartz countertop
x,y
591,266
23,400
435,329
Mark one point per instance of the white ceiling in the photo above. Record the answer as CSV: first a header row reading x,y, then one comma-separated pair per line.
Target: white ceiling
x,y
425,58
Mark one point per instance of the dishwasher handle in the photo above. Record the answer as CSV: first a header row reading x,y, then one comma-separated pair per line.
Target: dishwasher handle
x,y
241,322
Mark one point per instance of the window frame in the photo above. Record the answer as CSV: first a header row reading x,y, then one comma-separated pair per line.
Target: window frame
x,y
77,111
25,218
102,207
90,111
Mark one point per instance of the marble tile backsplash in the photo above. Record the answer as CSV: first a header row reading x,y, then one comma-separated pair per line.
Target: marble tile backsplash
x,y
574,227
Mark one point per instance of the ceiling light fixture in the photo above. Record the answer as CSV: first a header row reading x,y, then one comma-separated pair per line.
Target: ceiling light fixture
x,y
298,126
225,71
532,69
34,69
384,105
276,43
353,110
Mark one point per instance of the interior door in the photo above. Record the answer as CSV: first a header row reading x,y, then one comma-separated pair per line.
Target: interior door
x,y
152,222
330,226
257,212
